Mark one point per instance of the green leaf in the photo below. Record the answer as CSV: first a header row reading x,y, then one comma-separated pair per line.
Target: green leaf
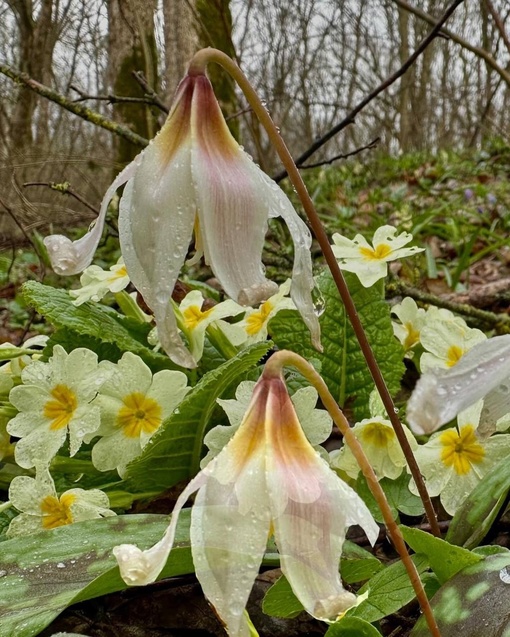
x,y
474,519
474,603
352,627
445,559
399,496
358,564
44,573
280,600
174,452
71,340
343,366
388,591
94,320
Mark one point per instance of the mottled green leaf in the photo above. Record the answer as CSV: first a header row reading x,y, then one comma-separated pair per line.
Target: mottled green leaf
x,y
343,366
174,452
474,603
43,574
445,559
352,627
473,520
388,591
94,320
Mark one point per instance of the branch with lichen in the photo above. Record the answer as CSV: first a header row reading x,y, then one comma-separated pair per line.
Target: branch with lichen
x,y
22,79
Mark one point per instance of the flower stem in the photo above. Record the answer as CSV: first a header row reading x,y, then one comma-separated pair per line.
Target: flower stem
x,y
197,66
5,505
285,357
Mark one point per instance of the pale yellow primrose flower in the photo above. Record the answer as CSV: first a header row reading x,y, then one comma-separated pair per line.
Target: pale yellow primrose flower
x,y
454,461
96,282
268,479
195,177
446,338
381,446
53,400
42,509
133,405
483,372
412,320
195,321
369,262
256,320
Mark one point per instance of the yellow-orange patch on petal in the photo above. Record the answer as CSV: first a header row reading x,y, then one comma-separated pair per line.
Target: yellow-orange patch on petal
x,y
412,336
454,355
378,253
139,414
193,315
57,512
461,450
61,409
376,434
255,322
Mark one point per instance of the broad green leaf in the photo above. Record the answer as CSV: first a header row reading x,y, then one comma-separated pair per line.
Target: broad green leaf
x,y
474,603
174,452
43,574
352,627
445,559
70,340
94,320
473,520
397,493
280,600
358,564
343,366
388,591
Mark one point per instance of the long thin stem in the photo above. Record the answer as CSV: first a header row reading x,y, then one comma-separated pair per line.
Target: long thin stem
x,y
284,358
197,66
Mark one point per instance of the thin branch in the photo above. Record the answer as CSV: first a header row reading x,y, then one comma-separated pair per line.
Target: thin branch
x,y
11,214
77,109
435,32
65,189
116,99
150,92
372,144
499,23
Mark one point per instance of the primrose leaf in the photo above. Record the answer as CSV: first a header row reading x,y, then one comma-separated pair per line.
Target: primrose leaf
x,y
474,519
388,591
358,564
174,452
280,600
342,364
44,573
352,627
95,321
473,603
445,559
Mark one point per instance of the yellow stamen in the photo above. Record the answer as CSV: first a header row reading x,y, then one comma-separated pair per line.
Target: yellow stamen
x,y
61,410
57,512
454,355
256,321
193,315
118,274
139,413
412,337
461,451
376,434
376,254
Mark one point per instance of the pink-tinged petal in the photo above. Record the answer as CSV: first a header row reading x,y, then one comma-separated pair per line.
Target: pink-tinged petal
x,y
72,257
137,567
228,543
441,394
157,213
232,212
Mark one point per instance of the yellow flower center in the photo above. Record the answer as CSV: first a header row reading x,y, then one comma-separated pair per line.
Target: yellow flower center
x,y
461,451
453,355
256,321
57,512
139,414
118,274
412,337
378,253
193,315
62,408
377,434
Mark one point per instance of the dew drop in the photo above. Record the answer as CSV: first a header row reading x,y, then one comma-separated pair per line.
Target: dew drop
x,y
61,565
319,304
504,575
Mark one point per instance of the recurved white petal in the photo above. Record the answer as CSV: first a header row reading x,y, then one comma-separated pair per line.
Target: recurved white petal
x,y
72,257
441,394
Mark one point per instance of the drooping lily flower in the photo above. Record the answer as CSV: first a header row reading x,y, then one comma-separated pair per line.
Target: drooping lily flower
x,y
483,372
195,177
267,480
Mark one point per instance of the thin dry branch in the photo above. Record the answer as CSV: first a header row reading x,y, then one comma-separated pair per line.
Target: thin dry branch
x,y
148,100
372,144
434,33
65,189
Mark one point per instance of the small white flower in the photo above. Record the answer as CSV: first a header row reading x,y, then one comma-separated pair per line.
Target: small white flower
x,y
412,320
256,320
133,405
42,509
53,400
96,282
369,262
